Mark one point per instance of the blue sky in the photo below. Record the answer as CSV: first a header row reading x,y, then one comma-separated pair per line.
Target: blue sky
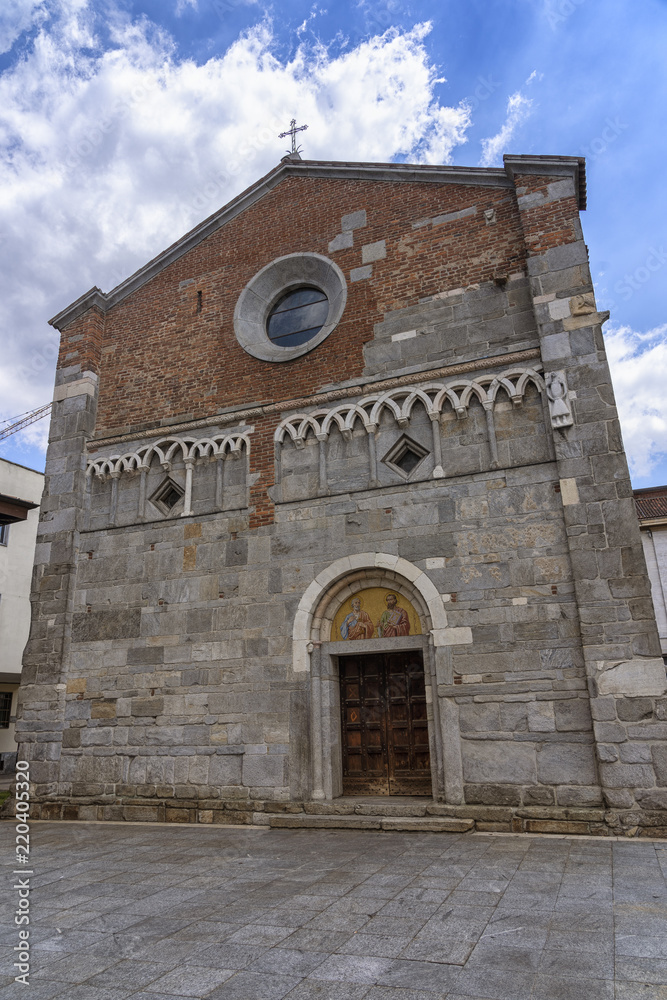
x,y
122,124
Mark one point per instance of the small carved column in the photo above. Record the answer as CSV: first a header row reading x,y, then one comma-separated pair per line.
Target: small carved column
x,y
141,509
187,500
372,455
438,471
115,476
323,488
491,429
219,481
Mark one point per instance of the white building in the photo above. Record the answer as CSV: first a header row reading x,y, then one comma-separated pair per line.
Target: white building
x,y
652,512
20,495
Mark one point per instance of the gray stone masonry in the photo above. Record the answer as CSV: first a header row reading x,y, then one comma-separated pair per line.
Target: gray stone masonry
x,y
461,323
618,632
182,666
42,693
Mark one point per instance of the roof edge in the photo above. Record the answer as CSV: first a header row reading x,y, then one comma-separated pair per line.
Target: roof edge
x,y
18,501
17,465
555,166
436,174
647,491
92,299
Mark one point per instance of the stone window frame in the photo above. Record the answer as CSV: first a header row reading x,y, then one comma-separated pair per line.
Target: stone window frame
x,y
404,443
167,486
269,285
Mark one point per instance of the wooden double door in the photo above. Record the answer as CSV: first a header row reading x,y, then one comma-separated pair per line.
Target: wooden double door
x,y
384,724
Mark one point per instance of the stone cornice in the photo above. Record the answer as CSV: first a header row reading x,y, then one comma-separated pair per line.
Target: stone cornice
x,y
243,415
95,298
551,166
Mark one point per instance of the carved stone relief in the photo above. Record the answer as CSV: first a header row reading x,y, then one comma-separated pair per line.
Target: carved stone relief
x,y
559,402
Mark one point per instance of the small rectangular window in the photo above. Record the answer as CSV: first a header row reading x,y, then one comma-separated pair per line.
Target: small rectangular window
x,y
4,534
5,708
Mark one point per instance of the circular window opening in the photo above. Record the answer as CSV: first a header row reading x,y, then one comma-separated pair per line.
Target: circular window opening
x,y
297,317
290,307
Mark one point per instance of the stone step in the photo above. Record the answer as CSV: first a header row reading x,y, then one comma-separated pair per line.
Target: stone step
x,y
351,807
415,824
428,824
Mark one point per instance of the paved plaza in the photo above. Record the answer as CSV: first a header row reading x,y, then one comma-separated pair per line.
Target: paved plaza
x,y
160,912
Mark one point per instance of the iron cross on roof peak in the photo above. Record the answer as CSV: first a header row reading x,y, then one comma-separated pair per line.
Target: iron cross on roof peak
x,y
292,130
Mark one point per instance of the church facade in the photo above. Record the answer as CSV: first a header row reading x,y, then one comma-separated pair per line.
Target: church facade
x,y
337,512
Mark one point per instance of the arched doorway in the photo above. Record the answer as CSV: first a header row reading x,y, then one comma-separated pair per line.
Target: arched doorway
x,y
378,659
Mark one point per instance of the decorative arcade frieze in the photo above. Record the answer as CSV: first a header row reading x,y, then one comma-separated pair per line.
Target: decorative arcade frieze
x,y
166,453
400,403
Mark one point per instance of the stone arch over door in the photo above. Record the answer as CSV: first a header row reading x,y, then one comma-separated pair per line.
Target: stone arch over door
x,y
315,651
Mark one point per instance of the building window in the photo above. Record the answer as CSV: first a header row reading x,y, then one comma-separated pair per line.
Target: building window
x,y
405,456
297,317
290,307
4,534
5,708
167,496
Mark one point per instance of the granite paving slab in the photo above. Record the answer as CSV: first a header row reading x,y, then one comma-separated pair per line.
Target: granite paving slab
x,y
132,912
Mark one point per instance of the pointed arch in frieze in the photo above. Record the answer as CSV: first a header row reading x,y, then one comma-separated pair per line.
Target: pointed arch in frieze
x,y
401,401
169,450
400,406
184,453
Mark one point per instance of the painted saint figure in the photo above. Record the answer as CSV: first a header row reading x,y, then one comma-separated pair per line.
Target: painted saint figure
x,y
358,624
394,620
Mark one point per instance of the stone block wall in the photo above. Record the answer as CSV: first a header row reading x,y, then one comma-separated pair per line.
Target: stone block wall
x,y
42,692
483,317
619,637
174,669
188,679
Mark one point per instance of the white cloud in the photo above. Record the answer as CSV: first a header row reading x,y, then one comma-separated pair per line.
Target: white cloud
x,y
16,16
518,110
110,153
638,363
182,6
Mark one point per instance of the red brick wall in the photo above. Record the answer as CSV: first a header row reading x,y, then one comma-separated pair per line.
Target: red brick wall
x,y
162,359
81,342
262,461
548,225
159,359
